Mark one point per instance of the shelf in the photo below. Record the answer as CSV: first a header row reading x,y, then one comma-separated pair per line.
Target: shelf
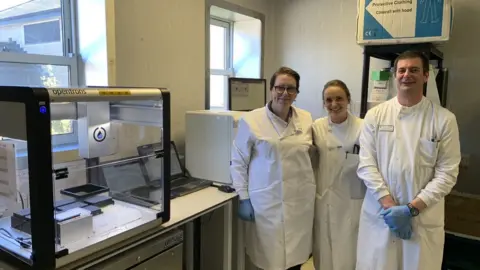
x,y
390,52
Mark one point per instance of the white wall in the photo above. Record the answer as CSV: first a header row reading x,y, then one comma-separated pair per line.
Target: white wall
x,y
318,39
162,44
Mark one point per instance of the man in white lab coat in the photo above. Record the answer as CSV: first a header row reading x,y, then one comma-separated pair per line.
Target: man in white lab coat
x,y
272,173
409,158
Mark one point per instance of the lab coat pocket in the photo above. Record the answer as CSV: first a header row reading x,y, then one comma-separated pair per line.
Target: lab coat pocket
x,y
432,217
427,152
266,203
356,185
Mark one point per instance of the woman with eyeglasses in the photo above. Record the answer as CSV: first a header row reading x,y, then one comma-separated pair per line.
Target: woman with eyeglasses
x,y
273,176
340,192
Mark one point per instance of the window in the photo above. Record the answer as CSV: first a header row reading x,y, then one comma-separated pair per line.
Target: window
x,y
36,49
92,41
44,32
220,62
235,49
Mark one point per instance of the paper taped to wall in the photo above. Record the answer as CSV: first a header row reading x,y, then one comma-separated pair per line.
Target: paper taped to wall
x,y
380,91
403,21
240,89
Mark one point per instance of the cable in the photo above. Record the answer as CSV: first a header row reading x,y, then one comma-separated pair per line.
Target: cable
x,y
21,199
7,232
184,169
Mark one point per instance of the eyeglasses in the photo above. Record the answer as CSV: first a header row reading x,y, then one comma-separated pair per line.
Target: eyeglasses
x,y
280,89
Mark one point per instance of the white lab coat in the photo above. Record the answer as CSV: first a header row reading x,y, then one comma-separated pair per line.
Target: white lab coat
x,y
339,194
398,157
271,165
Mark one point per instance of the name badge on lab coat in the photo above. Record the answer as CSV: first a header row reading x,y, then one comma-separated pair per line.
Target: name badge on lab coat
x,y
385,128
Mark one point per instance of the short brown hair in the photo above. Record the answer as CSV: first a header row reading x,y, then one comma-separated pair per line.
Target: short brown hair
x,y
337,83
285,71
412,55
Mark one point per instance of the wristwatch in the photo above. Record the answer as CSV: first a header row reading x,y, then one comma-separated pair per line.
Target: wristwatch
x,y
413,211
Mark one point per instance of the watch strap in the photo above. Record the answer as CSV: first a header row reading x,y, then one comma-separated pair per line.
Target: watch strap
x,y
413,211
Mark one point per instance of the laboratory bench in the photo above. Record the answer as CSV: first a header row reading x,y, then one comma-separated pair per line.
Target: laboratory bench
x,y
175,244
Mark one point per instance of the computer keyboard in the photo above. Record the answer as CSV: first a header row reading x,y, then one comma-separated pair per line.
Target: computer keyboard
x,y
183,186
181,182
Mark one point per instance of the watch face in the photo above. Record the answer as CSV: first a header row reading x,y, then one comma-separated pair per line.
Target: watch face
x,y
414,211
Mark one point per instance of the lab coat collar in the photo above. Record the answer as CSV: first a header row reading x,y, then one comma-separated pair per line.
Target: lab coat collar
x,y
346,122
409,110
293,117
295,120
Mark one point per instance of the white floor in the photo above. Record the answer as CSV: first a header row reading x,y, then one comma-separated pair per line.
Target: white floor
x,y
307,266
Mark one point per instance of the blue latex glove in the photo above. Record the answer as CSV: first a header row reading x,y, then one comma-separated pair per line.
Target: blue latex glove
x,y
245,210
398,219
404,233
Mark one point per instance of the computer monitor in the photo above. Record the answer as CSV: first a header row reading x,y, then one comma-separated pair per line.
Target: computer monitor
x,y
124,175
153,165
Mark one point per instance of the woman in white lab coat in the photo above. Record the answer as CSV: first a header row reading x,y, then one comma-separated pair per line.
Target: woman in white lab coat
x,y
340,193
272,173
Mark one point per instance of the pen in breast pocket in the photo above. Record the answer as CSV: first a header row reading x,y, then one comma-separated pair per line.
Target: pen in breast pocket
x,y
356,149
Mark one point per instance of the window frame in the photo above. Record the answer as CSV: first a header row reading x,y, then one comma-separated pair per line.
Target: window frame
x,y
69,59
228,71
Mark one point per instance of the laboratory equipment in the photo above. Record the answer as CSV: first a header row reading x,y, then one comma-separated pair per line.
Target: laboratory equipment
x,y
84,191
67,213
209,137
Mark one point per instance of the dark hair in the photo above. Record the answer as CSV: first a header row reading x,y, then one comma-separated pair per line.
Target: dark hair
x,y
412,55
285,71
337,83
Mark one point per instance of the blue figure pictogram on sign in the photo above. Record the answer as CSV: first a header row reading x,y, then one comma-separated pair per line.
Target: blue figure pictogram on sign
x,y
429,8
